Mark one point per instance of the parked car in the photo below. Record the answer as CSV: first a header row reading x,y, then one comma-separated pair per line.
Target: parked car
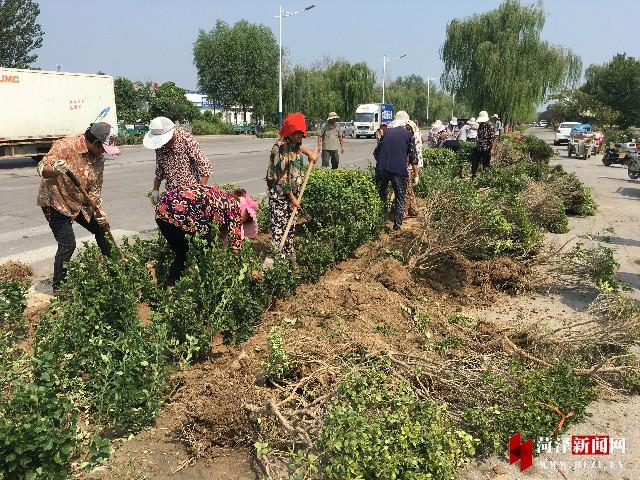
x,y
563,132
543,123
347,129
244,127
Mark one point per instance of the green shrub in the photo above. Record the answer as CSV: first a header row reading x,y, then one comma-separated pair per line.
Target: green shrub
x,y
214,294
203,127
129,138
13,301
262,214
544,208
280,280
377,428
525,237
598,264
620,136
38,432
90,343
278,365
316,254
438,157
346,201
268,134
518,397
537,149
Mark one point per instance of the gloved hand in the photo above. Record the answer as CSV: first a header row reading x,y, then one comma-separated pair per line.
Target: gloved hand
x,y
60,167
101,217
155,197
416,180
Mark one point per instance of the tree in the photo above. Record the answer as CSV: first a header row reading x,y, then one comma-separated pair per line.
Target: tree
x,y
170,102
617,85
128,99
576,105
497,62
238,66
20,34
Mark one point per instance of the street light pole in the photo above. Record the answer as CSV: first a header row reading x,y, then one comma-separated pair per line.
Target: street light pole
x,y
282,14
428,96
453,104
384,69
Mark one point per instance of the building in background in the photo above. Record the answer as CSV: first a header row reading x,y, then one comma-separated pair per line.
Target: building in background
x,y
234,115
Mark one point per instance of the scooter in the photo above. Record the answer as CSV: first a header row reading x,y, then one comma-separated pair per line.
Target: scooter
x,y
612,156
633,167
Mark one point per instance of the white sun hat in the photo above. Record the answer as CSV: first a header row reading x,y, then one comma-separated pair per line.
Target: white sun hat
x,y
400,120
471,121
160,132
453,121
483,117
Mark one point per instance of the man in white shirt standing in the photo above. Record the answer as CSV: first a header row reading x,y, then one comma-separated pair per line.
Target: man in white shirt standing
x,y
331,139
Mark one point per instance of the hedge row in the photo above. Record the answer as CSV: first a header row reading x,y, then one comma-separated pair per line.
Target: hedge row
x,y
96,355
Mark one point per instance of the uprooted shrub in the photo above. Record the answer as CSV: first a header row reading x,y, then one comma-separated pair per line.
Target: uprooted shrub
x,y
377,427
543,207
597,264
575,196
456,219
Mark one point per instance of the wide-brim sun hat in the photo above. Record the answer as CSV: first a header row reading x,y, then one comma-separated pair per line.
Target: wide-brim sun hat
x,y
161,130
411,124
483,116
471,121
453,121
332,116
495,115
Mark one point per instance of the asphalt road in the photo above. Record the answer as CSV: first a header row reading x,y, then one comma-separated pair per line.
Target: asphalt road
x,y
617,196
25,235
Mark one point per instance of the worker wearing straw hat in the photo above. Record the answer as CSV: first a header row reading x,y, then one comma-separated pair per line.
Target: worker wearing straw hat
x,y
331,139
485,144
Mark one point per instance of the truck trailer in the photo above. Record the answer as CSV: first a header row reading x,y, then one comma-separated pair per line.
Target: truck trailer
x,y
37,107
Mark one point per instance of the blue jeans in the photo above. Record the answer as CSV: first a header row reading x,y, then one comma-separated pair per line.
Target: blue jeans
x,y
399,185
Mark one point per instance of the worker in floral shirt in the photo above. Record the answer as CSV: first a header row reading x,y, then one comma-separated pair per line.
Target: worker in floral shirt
x,y
187,210
61,201
180,160
284,179
485,144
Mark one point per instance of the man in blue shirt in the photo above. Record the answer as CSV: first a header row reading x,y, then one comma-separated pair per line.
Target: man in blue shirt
x,y
393,153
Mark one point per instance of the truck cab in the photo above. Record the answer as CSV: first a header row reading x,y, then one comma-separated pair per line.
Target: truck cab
x,y
368,118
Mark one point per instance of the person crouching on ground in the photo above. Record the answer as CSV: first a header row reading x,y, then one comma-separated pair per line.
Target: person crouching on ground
x,y
184,211
61,201
248,213
392,154
284,179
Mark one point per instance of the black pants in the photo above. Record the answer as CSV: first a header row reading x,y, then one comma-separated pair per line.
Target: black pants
x,y
480,156
332,155
61,226
179,245
399,185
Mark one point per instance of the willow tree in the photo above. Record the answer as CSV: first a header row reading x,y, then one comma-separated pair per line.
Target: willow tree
x,y
497,62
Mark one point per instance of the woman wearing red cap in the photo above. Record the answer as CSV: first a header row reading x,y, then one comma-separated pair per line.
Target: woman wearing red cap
x,y
285,177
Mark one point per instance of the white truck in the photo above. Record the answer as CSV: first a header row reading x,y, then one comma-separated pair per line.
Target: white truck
x,y
369,116
38,107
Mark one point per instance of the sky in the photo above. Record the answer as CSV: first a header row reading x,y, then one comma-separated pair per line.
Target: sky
x,y
153,40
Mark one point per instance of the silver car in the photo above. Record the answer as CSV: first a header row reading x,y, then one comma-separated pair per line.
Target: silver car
x,y
347,129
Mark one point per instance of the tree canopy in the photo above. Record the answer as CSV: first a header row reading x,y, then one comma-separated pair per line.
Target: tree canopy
x,y
497,62
238,65
20,33
169,101
617,85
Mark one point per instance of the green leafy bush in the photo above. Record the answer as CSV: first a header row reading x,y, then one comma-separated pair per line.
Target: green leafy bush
x,y
598,264
13,301
438,157
278,364
215,294
377,428
204,127
91,345
346,201
38,432
544,208
268,134
262,214
129,138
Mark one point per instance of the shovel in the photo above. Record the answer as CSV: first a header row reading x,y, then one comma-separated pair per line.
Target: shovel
x,y
87,198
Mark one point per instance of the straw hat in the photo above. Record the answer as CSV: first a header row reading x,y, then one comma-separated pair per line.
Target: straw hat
x,y
471,121
453,121
332,116
400,119
483,117
160,132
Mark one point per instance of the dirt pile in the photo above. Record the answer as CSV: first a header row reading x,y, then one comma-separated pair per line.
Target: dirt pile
x,y
16,271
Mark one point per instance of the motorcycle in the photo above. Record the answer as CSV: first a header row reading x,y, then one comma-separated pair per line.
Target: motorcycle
x,y
633,167
612,156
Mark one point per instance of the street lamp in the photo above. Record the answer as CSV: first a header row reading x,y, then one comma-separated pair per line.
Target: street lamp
x,y
282,15
384,69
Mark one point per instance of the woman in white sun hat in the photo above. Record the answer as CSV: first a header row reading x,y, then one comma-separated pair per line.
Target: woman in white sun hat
x,y
485,144
180,160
